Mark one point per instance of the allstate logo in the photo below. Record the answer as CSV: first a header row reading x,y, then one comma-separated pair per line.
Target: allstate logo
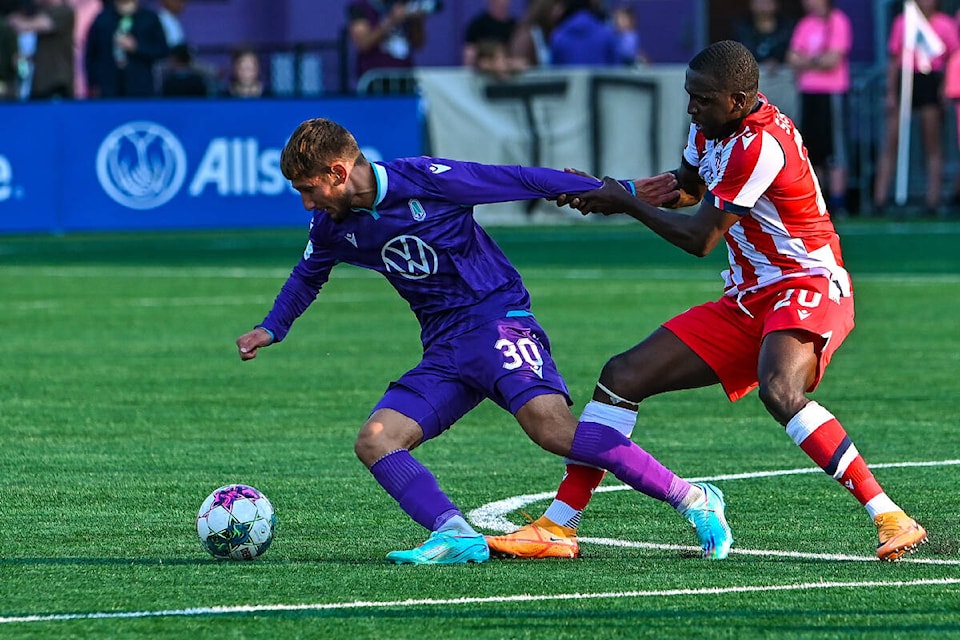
x,y
141,165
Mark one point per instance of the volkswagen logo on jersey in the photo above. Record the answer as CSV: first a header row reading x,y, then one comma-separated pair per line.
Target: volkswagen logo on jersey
x,y
141,165
410,257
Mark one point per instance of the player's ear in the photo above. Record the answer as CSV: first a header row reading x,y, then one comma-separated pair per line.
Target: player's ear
x,y
739,100
339,172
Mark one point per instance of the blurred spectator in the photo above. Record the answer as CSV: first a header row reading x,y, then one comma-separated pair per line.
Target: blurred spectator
x,y
245,79
85,12
629,51
181,78
169,14
766,33
493,59
52,62
124,44
819,54
385,33
495,24
926,103
531,37
951,91
9,52
583,36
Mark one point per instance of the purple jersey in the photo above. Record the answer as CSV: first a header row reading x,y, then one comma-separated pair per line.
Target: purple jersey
x,y
422,236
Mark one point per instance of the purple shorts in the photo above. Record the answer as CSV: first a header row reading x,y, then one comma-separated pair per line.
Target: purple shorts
x,y
507,360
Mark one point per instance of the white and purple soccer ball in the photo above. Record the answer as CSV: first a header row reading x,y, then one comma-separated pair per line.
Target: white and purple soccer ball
x,y
236,522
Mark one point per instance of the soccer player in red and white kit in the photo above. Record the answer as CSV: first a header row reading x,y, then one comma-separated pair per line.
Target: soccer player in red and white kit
x,y
787,302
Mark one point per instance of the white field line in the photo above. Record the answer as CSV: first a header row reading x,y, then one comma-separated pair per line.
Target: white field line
x,y
531,275
768,553
493,514
186,301
707,276
446,602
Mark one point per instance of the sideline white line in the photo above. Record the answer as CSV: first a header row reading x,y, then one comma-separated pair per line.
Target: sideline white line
x,y
70,306
707,277
426,602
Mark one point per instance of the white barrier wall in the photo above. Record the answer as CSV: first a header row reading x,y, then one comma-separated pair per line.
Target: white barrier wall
x,y
623,123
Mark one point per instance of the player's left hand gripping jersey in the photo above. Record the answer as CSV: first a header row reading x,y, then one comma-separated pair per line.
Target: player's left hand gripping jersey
x,y
422,236
762,174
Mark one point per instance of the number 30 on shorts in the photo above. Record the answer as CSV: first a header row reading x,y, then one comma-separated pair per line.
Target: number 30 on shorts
x,y
516,353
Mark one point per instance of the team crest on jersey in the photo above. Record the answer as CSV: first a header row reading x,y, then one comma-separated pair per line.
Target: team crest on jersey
x,y
417,210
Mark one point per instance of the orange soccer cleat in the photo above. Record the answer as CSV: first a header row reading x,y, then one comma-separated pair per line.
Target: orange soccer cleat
x,y
540,539
899,534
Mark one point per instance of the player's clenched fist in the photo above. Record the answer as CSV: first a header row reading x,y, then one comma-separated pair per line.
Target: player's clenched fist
x,y
249,342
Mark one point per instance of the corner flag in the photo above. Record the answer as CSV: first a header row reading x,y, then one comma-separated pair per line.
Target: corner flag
x,y
921,44
919,39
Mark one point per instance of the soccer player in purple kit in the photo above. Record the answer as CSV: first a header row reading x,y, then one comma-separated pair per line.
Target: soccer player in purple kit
x,y
412,220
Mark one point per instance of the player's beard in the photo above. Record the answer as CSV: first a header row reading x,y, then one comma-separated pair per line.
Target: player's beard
x,y
341,209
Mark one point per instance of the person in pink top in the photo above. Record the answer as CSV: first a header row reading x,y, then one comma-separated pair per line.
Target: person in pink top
x,y
819,52
926,102
951,91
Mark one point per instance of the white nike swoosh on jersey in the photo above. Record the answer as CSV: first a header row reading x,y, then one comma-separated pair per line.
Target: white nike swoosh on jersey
x,y
438,168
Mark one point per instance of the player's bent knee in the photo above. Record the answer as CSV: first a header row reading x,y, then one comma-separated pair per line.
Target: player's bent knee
x,y
552,433
782,402
555,442
373,442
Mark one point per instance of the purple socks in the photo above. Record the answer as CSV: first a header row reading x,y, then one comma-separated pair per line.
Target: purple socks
x,y
416,490
609,449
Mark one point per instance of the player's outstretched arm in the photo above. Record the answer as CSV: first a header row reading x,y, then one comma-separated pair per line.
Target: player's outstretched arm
x,y
696,234
249,342
657,190
610,198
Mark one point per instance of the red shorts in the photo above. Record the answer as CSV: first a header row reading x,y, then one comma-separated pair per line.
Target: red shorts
x,y
727,333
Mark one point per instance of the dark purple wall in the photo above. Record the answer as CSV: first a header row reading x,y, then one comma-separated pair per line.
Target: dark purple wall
x,y
669,29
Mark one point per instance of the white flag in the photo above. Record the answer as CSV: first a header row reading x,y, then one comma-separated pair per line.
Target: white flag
x,y
919,38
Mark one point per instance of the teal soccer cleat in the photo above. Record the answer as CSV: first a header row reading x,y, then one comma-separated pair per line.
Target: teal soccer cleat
x,y
445,547
711,525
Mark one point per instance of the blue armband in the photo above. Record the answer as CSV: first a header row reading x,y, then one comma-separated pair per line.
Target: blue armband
x,y
629,186
273,336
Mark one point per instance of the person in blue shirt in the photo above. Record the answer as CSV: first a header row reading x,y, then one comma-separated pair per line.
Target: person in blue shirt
x,y
584,37
412,221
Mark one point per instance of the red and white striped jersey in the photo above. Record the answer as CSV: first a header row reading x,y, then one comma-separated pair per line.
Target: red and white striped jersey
x,y
762,174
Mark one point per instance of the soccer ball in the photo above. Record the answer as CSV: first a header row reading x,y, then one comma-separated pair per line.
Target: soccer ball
x,y
236,522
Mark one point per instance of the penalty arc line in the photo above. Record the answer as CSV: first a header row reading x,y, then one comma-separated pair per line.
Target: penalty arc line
x,y
426,602
493,516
